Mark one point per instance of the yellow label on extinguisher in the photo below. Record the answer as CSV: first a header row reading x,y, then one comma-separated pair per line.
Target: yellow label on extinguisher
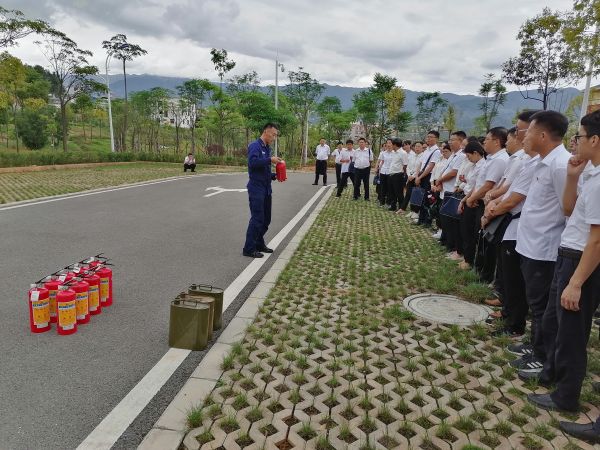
x,y
104,289
66,315
94,298
41,312
81,305
52,298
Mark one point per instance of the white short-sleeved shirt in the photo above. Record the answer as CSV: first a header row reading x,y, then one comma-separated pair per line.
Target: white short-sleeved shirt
x,y
521,186
399,160
411,168
585,213
513,168
336,155
322,152
363,158
387,158
345,154
542,218
454,163
431,155
495,166
464,169
473,176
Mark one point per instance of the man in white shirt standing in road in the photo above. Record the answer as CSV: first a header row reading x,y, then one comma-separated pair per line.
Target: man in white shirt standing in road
x,y
541,225
322,153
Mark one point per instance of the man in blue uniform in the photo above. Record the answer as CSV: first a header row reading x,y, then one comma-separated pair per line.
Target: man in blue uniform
x,y
259,191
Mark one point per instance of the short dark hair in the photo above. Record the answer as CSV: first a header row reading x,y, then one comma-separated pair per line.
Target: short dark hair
x,y
473,139
349,141
555,123
474,147
446,147
591,123
499,133
270,125
190,154
512,131
340,143
435,133
362,139
407,142
481,139
322,138
525,116
460,134
397,142
418,142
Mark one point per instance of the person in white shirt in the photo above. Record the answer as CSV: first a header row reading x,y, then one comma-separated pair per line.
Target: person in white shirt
x,y
575,293
189,163
363,156
445,186
322,155
338,164
397,179
345,160
383,167
411,173
468,223
541,224
496,161
430,157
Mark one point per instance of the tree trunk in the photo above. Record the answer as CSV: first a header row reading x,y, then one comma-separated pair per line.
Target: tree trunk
x,y
7,132
63,122
193,140
125,110
15,124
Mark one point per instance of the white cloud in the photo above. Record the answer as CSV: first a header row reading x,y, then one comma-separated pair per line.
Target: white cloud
x,y
426,45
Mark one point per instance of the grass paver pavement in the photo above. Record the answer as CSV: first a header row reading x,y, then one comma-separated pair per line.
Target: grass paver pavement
x,y
334,361
20,186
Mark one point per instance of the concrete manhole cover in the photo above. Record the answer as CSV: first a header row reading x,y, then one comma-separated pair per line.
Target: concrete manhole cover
x,y
446,309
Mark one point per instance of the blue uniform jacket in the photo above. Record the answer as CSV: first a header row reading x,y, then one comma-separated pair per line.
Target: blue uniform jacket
x,y
259,168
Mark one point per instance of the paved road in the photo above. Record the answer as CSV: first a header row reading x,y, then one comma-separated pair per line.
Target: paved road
x,y
55,389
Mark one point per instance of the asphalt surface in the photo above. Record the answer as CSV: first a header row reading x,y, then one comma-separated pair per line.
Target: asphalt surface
x,y
54,389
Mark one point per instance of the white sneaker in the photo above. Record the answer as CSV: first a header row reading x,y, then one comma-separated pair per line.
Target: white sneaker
x,y
437,235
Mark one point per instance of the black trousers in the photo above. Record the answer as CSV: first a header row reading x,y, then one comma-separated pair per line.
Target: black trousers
x,y
538,277
382,194
260,219
485,263
424,216
409,187
361,176
514,301
192,167
448,226
338,173
396,183
343,183
566,333
321,169
469,232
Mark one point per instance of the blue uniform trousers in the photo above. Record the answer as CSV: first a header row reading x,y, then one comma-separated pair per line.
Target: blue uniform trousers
x,y
260,211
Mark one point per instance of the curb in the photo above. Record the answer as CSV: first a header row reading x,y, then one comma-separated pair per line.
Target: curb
x,y
170,430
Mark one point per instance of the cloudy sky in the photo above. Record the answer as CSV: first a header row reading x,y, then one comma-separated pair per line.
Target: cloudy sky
x,y
427,45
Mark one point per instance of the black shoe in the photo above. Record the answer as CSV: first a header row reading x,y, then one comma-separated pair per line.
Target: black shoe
x,y
520,349
583,431
529,376
544,401
324,184
265,249
337,195
314,184
502,332
254,254
366,199
528,363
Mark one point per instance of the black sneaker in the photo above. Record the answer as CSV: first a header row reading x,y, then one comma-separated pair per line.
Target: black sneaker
x,y
520,349
507,333
531,365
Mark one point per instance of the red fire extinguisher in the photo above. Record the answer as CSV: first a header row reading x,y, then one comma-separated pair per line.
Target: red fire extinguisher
x,y
67,314
39,309
280,171
94,293
106,297
52,284
82,309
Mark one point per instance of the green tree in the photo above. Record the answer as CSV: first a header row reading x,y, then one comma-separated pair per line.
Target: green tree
x,y
545,61
192,94
394,100
340,122
32,126
303,93
449,119
221,63
83,107
14,26
365,105
430,107
221,110
12,80
119,48
493,94
382,85
248,82
326,109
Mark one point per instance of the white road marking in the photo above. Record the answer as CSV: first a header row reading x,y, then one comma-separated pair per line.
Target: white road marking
x,y
104,436
220,190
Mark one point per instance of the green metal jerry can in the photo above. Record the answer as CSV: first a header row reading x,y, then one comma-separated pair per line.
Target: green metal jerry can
x,y
214,292
188,324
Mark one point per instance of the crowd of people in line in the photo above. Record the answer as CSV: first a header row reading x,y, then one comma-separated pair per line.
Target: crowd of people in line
x,y
522,211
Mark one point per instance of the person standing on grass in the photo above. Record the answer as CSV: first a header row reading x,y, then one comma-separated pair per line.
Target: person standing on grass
x,y
345,160
338,164
423,180
259,191
322,153
363,156
397,179
383,167
412,168
189,163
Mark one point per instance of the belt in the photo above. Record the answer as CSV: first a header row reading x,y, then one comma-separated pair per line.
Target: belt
x,y
569,253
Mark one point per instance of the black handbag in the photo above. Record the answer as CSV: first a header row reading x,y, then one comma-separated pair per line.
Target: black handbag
x,y
417,196
494,232
376,180
450,207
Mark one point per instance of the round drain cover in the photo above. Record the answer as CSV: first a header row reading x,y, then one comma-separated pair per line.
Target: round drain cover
x,y
446,309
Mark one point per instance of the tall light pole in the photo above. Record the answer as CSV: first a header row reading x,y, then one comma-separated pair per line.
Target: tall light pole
x,y
278,66
110,122
588,81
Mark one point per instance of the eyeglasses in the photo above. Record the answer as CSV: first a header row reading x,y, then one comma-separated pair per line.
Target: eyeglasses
x,y
579,136
517,131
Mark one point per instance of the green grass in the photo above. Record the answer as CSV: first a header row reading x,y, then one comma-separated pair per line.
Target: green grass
x,y
17,186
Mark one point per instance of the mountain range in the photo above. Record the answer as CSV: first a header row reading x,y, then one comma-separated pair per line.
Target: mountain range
x,y
467,106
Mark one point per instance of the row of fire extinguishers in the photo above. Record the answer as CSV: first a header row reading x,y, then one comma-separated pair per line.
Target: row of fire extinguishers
x,y
69,296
